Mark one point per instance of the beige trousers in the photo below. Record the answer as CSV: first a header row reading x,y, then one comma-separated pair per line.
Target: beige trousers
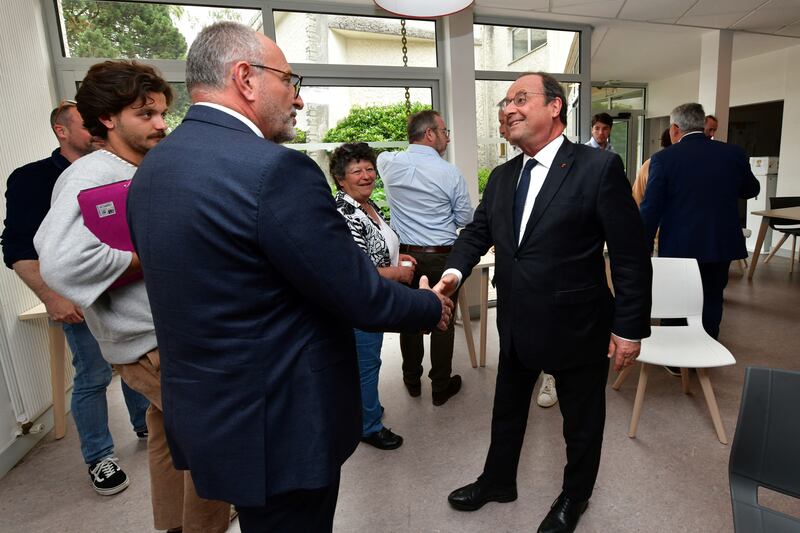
x,y
175,502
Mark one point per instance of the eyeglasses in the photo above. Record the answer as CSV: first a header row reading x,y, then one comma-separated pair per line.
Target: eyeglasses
x,y
294,80
444,130
519,100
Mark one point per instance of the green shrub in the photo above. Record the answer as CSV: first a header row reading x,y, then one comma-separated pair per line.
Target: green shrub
x,y
483,179
373,123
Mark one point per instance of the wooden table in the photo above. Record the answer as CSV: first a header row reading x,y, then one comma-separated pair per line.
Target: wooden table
x,y
791,213
486,262
57,348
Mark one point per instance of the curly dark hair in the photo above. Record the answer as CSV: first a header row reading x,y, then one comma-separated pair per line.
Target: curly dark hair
x,y
111,86
346,154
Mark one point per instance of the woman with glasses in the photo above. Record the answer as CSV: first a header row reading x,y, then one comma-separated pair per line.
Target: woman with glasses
x,y
352,168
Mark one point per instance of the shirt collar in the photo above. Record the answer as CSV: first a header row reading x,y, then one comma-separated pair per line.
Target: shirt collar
x,y
545,156
690,133
349,199
422,149
235,114
59,160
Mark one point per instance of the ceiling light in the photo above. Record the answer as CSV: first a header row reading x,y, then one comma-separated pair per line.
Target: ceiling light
x,y
423,8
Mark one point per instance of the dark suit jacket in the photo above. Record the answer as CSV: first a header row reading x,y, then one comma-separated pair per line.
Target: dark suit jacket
x,y
692,195
255,284
553,301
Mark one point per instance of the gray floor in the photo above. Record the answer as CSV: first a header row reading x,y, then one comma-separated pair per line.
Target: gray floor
x,y
673,477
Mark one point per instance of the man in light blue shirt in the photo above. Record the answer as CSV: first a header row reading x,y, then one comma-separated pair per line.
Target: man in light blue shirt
x,y
429,201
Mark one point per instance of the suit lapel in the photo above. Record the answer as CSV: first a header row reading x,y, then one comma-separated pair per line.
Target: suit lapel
x,y
562,163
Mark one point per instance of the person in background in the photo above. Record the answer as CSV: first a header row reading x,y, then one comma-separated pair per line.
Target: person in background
x,y
640,183
429,201
602,123
27,202
124,103
692,199
352,168
710,126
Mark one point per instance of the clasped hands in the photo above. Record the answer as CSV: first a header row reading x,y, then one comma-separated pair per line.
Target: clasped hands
x,y
442,290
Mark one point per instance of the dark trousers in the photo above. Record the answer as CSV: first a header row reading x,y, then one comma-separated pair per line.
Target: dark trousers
x,y
715,279
581,397
298,511
411,344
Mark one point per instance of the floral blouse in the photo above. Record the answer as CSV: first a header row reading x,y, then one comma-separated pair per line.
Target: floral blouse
x,y
365,231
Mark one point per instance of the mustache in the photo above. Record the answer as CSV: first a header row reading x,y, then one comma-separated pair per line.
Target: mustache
x,y
159,135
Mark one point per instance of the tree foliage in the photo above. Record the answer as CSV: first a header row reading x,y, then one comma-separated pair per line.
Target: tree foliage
x,y
122,30
373,123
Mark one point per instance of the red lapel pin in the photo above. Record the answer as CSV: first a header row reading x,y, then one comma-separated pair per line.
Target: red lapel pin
x,y
563,165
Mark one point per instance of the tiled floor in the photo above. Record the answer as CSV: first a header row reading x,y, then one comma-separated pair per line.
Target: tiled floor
x,y
671,478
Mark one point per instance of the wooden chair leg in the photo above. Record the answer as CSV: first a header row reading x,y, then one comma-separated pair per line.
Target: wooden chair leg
x,y
685,380
791,257
637,403
622,377
776,247
705,383
463,306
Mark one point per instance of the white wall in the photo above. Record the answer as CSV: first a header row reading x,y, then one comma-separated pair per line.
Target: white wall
x,y
28,93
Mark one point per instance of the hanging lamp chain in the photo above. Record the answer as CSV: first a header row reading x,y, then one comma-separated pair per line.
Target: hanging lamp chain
x,y
404,41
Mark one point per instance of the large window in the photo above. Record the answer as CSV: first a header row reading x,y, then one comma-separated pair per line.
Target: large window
x,y
525,40
134,30
519,49
323,38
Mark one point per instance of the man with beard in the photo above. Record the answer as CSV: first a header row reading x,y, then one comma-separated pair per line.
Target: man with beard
x,y
27,203
124,103
256,285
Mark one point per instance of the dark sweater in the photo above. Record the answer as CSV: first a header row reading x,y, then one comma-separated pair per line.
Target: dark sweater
x,y
27,202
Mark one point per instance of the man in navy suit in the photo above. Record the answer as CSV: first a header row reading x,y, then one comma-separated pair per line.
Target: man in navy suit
x,y
692,194
548,212
255,284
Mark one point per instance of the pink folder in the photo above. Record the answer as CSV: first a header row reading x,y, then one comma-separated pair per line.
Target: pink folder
x,y
103,210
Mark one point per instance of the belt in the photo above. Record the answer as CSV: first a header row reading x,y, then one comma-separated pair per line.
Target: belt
x,y
411,248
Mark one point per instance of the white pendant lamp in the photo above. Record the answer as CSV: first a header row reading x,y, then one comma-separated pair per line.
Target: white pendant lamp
x,y
423,9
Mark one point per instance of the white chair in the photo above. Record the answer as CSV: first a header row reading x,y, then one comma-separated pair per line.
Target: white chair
x,y
678,293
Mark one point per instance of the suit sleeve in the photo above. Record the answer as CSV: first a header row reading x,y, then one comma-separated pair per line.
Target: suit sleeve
x,y
314,250
476,238
631,271
652,207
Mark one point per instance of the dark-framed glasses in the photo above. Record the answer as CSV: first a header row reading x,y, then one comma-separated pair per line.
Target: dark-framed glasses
x,y
446,131
519,99
295,80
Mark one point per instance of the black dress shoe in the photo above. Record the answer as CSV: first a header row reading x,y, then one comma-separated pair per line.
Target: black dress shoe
x,y
439,398
414,389
383,439
563,516
475,495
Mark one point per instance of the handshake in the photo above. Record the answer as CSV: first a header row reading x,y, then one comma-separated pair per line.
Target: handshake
x,y
443,290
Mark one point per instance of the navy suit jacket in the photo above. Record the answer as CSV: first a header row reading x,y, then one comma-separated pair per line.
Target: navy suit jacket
x,y
255,284
553,301
692,194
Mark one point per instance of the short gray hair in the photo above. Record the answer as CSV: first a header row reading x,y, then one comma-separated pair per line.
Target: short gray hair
x,y
214,50
688,117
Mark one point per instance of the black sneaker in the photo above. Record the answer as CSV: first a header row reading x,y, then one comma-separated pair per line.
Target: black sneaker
x,y
107,477
142,435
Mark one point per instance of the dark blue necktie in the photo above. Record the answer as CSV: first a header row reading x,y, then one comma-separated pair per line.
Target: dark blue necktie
x,y
520,195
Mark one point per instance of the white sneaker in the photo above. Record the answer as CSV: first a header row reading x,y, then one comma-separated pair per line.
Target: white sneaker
x,y
547,392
